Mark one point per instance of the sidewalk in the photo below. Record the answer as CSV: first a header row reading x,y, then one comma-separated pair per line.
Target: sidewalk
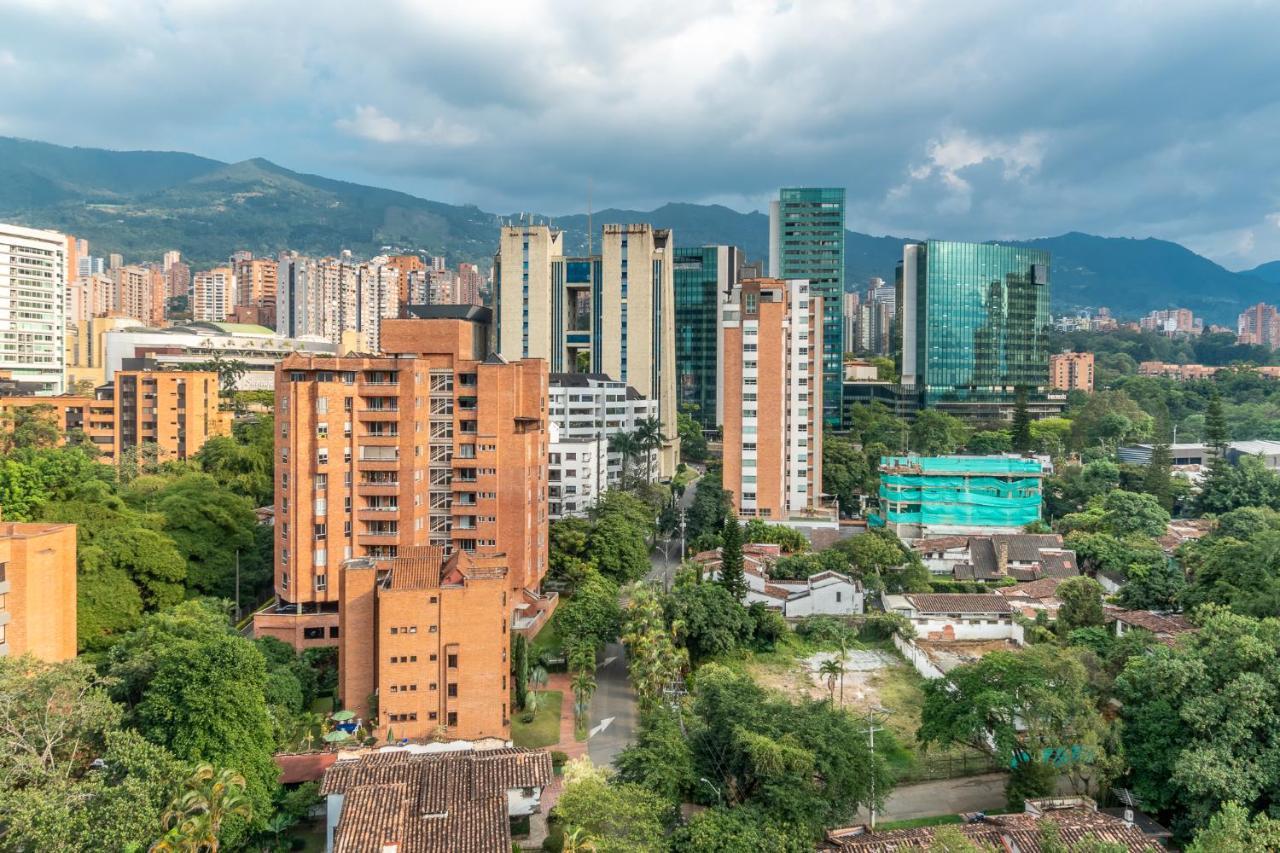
x,y
567,744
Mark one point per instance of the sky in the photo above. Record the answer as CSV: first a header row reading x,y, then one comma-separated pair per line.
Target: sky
x,y
986,119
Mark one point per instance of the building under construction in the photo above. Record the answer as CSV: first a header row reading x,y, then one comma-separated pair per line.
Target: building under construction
x,y
940,495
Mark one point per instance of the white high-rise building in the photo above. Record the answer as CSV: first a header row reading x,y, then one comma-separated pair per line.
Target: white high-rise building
x,y
213,295
379,289
33,291
594,407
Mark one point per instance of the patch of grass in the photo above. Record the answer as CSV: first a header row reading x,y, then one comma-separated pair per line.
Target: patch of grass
x,y
547,642
322,705
915,823
544,730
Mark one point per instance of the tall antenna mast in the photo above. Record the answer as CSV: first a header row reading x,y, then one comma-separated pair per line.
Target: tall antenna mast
x,y
589,235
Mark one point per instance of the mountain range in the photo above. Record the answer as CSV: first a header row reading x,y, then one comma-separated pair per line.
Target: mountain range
x,y
142,203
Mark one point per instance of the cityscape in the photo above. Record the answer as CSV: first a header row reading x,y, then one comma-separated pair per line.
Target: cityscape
x,y
334,518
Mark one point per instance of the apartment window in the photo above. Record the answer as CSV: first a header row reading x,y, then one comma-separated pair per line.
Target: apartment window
x,y
453,690
322,482
452,719
313,633
322,405
321,531
452,661
322,583
322,430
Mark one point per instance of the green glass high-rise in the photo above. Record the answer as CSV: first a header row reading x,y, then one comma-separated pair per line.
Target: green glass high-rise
x,y
703,274
806,241
975,324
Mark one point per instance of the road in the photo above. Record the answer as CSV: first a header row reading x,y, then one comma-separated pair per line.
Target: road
x,y
665,555
948,796
613,708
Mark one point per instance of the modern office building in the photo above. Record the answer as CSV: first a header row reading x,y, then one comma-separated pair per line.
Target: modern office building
x,y
33,293
925,496
436,442
612,313
424,643
213,295
114,340
38,590
772,334
975,327
591,406
170,413
1071,371
703,277
806,242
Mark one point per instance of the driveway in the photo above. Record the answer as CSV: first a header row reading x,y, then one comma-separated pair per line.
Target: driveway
x,y
613,708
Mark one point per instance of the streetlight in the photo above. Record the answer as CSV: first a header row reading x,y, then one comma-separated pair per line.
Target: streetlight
x,y
719,799
871,730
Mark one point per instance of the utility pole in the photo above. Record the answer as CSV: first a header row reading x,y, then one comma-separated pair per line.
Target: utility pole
x,y
871,730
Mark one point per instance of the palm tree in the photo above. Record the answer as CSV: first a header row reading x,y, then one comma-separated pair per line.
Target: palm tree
x,y
584,687
625,445
530,706
195,816
649,437
832,669
577,841
538,676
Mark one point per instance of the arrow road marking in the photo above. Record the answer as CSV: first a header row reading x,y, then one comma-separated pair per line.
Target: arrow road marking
x,y
600,727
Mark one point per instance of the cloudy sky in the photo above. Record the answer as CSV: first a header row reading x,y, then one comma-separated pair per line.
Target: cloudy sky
x,y
977,119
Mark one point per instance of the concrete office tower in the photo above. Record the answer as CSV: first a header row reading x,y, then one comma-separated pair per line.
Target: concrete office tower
x,y
379,299
771,332
975,327
613,313
38,590
213,295
434,443
33,278
806,241
703,277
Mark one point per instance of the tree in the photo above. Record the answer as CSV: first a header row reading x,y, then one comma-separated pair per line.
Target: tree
x,y
1021,432
832,669
935,433
520,668
191,684
1227,487
1242,574
1216,433
1200,728
242,468
731,572
626,446
29,427
707,514
789,540
196,815
1156,478
649,438
591,617
1233,829
1081,603
722,830
659,758
1154,585
619,817
708,620
618,549
653,659
693,446
990,441
845,472
1026,707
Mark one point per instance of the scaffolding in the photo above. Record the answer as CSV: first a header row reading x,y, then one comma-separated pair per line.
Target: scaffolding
x,y
960,492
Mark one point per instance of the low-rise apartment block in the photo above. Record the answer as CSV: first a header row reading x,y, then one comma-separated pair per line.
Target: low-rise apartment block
x,y
437,442
428,636
170,413
38,590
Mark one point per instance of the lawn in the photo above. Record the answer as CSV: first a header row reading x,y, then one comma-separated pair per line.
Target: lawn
x,y
544,730
547,643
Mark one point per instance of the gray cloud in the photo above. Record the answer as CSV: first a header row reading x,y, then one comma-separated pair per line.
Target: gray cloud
x,y
983,119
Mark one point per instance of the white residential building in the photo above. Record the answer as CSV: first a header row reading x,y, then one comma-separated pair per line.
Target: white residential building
x,y
33,292
327,297
213,295
826,593
947,617
593,406
577,472
379,299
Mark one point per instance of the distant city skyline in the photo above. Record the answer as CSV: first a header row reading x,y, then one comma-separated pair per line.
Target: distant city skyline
x,y
1126,123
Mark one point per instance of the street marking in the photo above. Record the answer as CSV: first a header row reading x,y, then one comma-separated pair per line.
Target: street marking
x,y
607,661
600,727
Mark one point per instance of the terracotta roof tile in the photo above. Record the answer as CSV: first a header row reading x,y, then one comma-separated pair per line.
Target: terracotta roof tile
x,y
959,603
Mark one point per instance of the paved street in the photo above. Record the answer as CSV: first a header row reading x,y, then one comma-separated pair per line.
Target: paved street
x,y
948,796
615,702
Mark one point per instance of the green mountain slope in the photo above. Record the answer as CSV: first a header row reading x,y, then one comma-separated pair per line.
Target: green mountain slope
x,y
144,202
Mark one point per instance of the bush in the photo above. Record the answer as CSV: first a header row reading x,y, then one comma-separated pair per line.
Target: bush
x,y
1029,780
823,631
882,626
558,758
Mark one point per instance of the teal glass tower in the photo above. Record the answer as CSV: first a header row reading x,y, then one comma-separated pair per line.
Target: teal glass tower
x,y
703,275
975,324
806,240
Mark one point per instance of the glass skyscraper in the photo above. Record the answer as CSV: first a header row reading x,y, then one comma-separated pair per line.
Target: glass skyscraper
x,y
703,275
806,241
975,322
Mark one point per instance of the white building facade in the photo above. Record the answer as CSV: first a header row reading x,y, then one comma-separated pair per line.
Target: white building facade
x,y
593,406
33,292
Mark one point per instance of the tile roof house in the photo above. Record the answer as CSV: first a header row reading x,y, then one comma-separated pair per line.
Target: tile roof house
x,y
431,802
830,593
1166,626
1077,819
946,617
1032,597
1021,556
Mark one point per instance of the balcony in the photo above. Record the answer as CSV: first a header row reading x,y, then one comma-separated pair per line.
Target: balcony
x,y
371,489
380,538
380,439
375,415
376,513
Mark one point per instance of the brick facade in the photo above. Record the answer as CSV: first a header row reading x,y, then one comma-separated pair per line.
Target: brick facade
x,y
38,590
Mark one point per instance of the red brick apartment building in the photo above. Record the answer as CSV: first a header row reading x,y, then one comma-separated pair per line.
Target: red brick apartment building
x,y
434,443
38,590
